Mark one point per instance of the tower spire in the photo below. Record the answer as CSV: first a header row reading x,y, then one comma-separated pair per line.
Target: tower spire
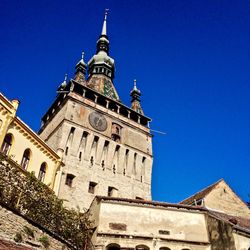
x,y
103,41
101,67
104,26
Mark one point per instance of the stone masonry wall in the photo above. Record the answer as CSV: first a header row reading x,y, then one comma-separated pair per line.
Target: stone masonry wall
x,y
14,228
125,166
222,198
220,234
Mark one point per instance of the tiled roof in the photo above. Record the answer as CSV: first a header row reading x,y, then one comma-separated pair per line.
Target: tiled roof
x,y
201,194
238,222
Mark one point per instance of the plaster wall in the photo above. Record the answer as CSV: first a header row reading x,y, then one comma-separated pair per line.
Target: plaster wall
x,y
147,221
241,242
130,225
24,138
22,141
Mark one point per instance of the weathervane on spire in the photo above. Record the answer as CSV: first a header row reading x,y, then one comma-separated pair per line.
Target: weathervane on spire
x,y
82,55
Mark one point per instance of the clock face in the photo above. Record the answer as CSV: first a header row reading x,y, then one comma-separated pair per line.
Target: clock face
x,y
98,121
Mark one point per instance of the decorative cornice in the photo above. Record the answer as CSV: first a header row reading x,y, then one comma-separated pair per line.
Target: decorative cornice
x,y
25,128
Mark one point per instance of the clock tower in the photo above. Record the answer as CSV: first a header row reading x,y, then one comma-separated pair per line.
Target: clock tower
x,y
107,145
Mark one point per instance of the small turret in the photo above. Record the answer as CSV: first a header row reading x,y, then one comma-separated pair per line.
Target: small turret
x,y
63,84
135,101
80,72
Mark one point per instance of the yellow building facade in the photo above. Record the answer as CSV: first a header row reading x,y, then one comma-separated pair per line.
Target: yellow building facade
x,y
25,149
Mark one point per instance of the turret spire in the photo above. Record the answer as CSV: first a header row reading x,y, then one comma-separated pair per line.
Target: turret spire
x,y
135,101
80,72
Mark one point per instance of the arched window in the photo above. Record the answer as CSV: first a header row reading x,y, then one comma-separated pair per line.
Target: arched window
x,y
113,247
42,171
164,248
26,158
7,142
142,247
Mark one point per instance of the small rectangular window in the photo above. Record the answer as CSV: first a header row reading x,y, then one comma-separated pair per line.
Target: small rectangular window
x,y
69,180
165,232
111,191
92,186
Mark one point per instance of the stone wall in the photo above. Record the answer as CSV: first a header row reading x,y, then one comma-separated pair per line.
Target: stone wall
x,y
220,234
16,231
124,166
222,198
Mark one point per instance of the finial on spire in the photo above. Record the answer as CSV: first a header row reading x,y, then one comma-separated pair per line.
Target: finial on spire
x,y
63,84
104,26
65,77
81,63
106,13
135,88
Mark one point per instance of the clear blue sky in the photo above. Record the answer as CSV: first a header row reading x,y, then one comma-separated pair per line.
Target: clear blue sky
x,y
191,62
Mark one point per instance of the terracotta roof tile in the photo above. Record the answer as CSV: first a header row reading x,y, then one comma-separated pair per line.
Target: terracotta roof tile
x,y
238,222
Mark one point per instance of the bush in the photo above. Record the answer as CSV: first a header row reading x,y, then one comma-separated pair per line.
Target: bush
x,y
37,202
29,232
18,237
45,241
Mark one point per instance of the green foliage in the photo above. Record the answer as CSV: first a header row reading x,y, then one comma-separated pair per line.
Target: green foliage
x,y
45,241
37,202
18,237
29,232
